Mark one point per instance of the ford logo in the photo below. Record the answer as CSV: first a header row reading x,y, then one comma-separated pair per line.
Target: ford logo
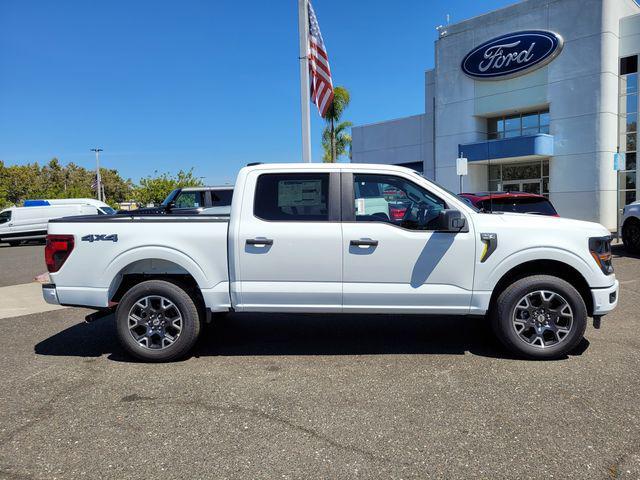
x,y
512,54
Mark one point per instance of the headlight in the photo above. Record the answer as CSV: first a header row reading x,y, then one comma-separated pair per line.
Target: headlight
x,y
600,249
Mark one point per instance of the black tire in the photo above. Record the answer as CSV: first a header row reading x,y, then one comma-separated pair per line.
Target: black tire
x,y
183,303
14,244
502,317
631,235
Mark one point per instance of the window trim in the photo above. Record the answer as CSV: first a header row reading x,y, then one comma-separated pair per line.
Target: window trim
x,y
333,197
349,209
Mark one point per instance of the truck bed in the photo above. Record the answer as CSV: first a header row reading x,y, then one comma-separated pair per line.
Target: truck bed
x,y
114,246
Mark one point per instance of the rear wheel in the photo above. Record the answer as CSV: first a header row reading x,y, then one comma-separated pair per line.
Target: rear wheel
x,y
540,317
157,321
631,235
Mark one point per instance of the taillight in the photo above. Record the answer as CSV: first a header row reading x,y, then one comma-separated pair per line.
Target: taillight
x,y
600,249
397,213
58,249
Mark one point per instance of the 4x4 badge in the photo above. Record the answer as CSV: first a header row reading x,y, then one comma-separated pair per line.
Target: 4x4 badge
x,y
100,238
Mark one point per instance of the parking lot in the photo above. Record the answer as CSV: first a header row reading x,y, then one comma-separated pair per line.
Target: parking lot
x,y
304,396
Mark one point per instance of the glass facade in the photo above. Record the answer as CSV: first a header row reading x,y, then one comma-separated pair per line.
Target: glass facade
x,y
628,130
531,177
508,126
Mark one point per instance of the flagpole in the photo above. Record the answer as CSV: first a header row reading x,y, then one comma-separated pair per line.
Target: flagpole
x,y
303,32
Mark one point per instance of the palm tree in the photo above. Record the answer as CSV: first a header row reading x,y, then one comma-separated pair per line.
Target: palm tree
x,y
336,139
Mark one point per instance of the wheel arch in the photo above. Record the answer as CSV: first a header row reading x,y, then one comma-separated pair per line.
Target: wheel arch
x,y
553,268
152,269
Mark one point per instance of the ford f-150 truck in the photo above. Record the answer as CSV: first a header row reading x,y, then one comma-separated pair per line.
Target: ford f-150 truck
x,y
320,238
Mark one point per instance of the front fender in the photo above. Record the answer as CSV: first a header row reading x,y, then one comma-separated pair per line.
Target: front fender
x,y
593,276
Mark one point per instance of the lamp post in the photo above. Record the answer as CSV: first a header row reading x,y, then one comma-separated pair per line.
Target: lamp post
x,y
98,179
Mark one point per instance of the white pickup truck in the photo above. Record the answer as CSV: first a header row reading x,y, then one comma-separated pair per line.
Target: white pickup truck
x,y
335,238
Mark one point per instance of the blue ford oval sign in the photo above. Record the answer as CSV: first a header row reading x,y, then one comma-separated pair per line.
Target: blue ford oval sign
x,y
512,54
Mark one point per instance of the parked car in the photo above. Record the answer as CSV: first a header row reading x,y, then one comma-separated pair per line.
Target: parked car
x,y
216,200
630,227
299,239
18,224
515,202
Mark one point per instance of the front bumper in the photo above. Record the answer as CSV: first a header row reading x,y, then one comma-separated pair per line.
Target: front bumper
x,y
50,294
605,299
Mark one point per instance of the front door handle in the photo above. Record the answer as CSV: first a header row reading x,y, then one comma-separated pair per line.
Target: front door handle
x,y
364,243
259,241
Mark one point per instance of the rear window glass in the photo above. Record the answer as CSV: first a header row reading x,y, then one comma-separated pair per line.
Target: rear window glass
x,y
221,198
540,206
301,197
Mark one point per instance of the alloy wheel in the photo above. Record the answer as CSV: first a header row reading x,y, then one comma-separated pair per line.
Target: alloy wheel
x,y
542,318
155,322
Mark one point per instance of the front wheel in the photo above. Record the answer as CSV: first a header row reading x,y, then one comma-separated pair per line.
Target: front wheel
x,y
157,321
540,317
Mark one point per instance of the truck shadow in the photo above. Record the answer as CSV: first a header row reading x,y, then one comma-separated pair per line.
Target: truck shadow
x,y
303,334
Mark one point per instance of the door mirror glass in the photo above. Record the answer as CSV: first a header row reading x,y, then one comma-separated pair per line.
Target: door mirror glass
x,y
451,221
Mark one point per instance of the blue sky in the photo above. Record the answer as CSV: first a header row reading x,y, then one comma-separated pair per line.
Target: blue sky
x,y
163,85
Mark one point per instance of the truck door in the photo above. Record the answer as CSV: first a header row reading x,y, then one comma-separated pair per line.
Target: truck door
x,y
395,259
288,246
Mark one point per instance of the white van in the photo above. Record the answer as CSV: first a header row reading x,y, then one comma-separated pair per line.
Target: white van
x,y
18,224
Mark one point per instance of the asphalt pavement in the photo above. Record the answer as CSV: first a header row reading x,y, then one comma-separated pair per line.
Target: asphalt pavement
x,y
306,396
21,264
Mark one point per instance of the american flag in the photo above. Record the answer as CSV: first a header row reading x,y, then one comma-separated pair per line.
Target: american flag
x,y
321,84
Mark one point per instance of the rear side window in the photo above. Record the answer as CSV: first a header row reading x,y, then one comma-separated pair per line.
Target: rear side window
x,y
540,206
5,216
221,198
295,197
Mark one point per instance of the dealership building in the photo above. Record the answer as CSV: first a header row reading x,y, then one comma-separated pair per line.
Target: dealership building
x,y
539,97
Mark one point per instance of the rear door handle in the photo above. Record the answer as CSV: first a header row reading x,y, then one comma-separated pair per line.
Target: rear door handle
x,y
259,241
364,243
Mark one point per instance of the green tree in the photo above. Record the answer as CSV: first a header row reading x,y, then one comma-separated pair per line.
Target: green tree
x,y
154,189
338,142
54,180
336,138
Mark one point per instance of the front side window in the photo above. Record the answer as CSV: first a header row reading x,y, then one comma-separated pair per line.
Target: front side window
x,y
5,216
294,197
398,201
189,200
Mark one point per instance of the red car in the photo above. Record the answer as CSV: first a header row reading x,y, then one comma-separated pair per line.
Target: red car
x,y
515,202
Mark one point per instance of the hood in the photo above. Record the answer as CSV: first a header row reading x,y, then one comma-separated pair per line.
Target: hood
x,y
526,221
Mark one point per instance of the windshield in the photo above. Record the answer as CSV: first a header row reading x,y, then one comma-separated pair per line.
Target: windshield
x,y
171,197
537,205
107,211
5,216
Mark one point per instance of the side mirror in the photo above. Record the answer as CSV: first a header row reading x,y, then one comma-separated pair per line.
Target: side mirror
x,y
452,221
170,206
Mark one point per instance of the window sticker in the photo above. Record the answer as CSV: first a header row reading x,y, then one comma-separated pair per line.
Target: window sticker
x,y
299,193
360,206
